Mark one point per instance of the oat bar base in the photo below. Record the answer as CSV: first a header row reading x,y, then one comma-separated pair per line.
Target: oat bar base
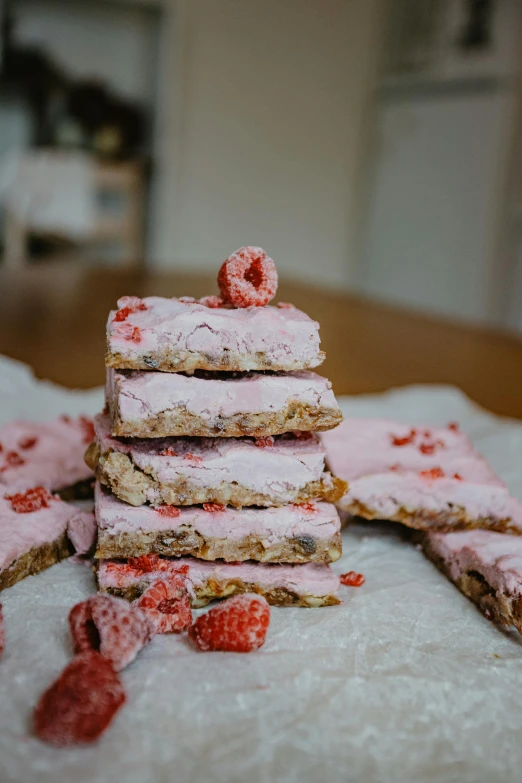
x,y
36,560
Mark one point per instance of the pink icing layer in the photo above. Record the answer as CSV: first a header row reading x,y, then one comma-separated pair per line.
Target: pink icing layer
x,y
497,557
306,579
386,478
55,460
19,533
141,395
273,524
283,335
288,464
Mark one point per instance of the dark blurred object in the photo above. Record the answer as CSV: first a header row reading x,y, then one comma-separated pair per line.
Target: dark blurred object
x,y
65,112
477,31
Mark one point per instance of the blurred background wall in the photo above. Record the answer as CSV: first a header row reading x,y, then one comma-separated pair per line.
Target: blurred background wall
x,y
372,145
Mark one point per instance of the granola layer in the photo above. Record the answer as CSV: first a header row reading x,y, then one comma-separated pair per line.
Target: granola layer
x,y
230,471
154,405
308,585
37,559
174,335
290,534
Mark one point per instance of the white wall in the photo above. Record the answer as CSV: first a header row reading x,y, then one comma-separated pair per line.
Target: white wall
x,y
274,102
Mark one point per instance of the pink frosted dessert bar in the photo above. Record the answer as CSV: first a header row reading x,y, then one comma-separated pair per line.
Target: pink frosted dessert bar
x,y
234,471
308,584
45,453
426,478
156,404
289,534
486,567
36,531
175,335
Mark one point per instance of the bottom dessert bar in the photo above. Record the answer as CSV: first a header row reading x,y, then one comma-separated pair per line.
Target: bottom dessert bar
x,y
486,567
288,534
309,585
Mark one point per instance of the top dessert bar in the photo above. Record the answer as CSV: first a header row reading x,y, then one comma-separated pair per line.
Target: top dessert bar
x,y
182,335
47,454
426,478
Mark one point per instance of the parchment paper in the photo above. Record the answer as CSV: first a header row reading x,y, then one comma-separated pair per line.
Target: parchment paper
x,y
404,682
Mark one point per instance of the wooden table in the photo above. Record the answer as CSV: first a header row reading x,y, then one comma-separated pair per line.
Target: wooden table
x,y
53,317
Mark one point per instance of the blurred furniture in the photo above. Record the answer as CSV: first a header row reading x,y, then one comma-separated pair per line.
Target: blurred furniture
x,y
53,317
110,214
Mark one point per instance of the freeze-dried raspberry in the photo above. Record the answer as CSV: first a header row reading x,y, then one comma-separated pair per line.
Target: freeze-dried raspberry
x,y
65,418
238,624
213,507
148,563
14,460
457,476
309,508
87,426
168,511
128,305
81,703
433,473
352,579
32,500
166,604
263,443
427,448
211,301
453,426
122,314
302,435
110,626
2,632
248,278
285,306
27,443
193,458
168,452
405,440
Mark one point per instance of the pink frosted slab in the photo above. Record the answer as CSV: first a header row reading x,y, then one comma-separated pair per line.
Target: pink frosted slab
x,y
55,461
180,335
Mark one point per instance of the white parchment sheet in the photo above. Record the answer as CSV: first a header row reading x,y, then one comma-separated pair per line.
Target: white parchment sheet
x,y
404,682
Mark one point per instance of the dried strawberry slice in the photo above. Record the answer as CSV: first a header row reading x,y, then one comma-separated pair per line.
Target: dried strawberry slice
x,y
238,624
248,278
32,500
111,626
80,705
166,604
352,579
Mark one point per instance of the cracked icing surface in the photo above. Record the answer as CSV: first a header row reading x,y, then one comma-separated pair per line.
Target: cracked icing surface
x,y
309,584
184,335
186,471
288,533
55,461
153,404
385,480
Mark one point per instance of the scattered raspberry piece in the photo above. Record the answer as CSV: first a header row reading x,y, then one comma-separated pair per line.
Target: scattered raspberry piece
x,y
27,443
110,626
286,306
453,426
1,448
395,467
81,703
32,500
301,435
187,300
122,314
239,624
248,278
166,604
14,460
135,335
433,473
310,508
193,458
168,452
2,632
168,511
131,304
352,579
405,440
212,301
147,563
65,418
213,507
427,448
457,476
264,443
87,426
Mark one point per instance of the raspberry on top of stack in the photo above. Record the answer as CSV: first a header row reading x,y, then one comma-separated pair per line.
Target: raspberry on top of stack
x,y
207,449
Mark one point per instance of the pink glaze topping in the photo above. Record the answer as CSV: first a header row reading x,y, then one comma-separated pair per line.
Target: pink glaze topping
x,y
303,579
496,556
183,326
286,464
141,395
20,532
390,466
47,454
273,524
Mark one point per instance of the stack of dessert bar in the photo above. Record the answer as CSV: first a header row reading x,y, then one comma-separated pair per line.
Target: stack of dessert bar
x,y
206,456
